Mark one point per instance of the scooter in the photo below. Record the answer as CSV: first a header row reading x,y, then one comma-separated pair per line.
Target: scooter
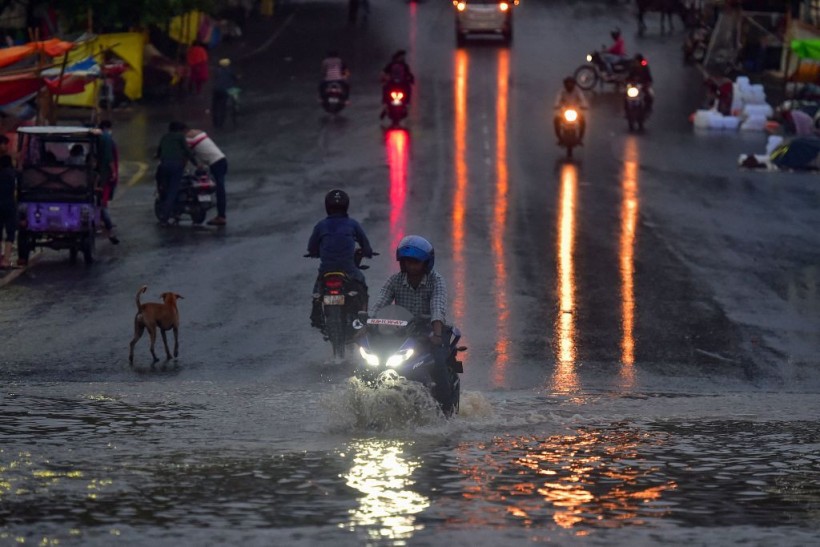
x,y
396,106
334,97
196,196
395,340
569,128
635,106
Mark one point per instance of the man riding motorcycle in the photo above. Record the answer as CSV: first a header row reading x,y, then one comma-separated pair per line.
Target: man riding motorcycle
x,y
396,73
422,291
570,95
640,74
334,241
616,52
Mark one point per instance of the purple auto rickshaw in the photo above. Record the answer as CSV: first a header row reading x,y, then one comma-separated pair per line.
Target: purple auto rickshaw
x,y
58,199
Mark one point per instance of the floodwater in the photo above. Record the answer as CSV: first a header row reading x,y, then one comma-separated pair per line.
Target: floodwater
x,y
200,462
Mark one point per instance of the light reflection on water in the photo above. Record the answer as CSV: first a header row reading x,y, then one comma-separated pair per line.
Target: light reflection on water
x,y
389,505
63,479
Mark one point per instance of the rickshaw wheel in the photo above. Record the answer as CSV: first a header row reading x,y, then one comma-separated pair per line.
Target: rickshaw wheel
x,y
88,248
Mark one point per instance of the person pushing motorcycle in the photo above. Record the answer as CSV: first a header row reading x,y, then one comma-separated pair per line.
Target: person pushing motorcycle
x,y
570,95
334,241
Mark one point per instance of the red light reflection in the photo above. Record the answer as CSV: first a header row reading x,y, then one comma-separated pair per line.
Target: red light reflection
x,y
397,143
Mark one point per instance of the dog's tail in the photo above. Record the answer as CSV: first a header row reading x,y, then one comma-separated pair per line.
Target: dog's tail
x,y
139,292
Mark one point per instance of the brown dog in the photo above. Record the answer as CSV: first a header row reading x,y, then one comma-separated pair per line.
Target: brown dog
x,y
152,315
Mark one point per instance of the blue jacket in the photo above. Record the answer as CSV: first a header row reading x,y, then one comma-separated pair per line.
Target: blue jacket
x,y
334,241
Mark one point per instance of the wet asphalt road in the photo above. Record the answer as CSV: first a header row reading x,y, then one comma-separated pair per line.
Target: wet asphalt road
x,y
650,251
642,323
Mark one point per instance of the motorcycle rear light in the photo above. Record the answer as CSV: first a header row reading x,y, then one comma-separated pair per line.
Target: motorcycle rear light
x,y
570,115
334,283
644,62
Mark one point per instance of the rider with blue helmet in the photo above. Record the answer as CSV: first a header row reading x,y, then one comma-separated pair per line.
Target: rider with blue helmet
x,y
417,287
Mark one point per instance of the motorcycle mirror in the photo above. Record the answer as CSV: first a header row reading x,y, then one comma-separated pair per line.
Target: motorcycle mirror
x,y
363,266
461,348
362,316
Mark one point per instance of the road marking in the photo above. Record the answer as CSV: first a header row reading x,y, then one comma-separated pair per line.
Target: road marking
x,y
142,167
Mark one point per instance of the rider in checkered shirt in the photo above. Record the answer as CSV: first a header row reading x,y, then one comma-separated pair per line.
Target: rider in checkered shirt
x,y
417,287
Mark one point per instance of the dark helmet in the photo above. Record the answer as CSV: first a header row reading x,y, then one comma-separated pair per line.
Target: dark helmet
x,y
337,201
418,248
569,83
177,127
399,55
615,33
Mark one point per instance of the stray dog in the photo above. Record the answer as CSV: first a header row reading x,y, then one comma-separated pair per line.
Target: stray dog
x,y
152,315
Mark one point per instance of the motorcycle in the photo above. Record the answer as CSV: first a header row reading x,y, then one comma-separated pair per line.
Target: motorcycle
x,y
596,71
395,340
341,302
196,196
569,128
334,97
635,106
396,102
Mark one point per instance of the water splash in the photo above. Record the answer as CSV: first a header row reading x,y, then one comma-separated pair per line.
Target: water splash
x,y
392,403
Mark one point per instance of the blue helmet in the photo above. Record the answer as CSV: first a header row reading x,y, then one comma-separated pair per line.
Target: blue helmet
x,y
418,248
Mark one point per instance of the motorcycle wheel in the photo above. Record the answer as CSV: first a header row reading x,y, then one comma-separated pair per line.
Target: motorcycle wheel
x,y
586,76
198,213
335,329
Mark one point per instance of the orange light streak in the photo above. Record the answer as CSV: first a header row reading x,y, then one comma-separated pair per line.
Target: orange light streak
x,y
565,378
459,205
500,218
629,224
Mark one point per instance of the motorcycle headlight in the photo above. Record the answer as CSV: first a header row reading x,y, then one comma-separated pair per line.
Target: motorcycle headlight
x,y
398,358
370,358
589,58
632,91
570,115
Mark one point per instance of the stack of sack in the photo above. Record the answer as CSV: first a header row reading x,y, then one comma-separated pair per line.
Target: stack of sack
x,y
750,111
752,105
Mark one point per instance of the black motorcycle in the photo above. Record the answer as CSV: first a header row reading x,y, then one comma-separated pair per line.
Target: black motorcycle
x,y
635,106
394,340
569,128
595,71
197,194
341,301
334,97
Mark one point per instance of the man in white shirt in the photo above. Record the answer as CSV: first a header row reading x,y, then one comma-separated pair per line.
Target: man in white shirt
x,y
207,152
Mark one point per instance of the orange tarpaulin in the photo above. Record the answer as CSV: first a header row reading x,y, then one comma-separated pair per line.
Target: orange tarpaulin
x,y
52,48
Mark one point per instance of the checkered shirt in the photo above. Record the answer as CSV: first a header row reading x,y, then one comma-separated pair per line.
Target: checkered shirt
x,y
430,298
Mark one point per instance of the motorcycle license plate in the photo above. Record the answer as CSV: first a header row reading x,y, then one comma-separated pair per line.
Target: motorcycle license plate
x,y
204,197
334,299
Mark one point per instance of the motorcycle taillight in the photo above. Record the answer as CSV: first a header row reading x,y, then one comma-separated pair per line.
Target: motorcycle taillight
x,y
334,283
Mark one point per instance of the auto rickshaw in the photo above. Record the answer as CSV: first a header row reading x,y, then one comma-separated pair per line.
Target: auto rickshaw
x,y
57,190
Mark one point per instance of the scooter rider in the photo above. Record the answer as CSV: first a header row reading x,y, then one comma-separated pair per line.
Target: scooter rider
x,y
397,71
570,95
334,70
334,241
640,74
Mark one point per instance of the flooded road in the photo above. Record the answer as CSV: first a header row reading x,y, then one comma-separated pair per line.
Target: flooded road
x,y
642,323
